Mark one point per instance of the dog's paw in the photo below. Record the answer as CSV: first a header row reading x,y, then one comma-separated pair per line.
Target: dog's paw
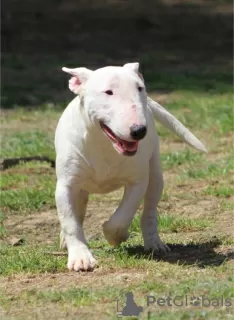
x,y
154,244
81,259
114,235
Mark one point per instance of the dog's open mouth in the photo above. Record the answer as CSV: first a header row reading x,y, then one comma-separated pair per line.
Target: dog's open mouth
x,y
128,148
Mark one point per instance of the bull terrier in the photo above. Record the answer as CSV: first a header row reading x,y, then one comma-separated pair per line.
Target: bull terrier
x,y
105,140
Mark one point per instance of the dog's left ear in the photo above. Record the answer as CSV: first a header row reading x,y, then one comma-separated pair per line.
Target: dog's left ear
x,y
134,66
80,77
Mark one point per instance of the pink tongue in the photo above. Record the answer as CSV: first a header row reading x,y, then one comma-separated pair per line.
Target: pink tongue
x,y
129,146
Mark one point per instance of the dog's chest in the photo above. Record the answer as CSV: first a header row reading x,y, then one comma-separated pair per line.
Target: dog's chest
x,y
106,176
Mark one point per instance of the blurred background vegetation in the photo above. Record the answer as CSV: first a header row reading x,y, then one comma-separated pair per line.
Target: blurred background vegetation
x,y
179,44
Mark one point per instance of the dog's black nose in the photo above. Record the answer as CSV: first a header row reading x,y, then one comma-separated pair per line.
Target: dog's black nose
x,y
138,132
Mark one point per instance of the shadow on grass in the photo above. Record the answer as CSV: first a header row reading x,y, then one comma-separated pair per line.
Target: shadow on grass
x,y
200,254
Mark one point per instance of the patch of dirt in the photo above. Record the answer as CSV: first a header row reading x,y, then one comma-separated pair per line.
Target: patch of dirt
x,y
224,224
40,227
15,284
196,209
44,227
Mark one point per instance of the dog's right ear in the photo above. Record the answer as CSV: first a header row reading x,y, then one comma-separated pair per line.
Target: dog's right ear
x,y
80,76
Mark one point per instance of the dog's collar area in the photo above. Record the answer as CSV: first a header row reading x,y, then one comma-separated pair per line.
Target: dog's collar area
x,y
128,148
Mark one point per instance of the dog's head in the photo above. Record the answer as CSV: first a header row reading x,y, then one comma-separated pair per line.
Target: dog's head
x,y
115,99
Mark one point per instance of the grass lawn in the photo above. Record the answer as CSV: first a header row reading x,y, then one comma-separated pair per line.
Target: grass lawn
x,y
196,221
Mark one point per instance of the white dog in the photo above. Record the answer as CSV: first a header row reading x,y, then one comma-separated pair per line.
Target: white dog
x,y
106,140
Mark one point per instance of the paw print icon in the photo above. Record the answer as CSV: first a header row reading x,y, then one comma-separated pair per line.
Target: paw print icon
x,y
195,301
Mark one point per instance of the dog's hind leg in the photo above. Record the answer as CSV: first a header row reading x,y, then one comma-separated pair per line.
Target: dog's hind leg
x,y
149,224
116,228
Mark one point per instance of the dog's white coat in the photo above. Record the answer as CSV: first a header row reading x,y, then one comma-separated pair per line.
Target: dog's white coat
x,y
88,162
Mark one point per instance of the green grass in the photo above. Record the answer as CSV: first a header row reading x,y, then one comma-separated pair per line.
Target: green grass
x,y
12,180
174,159
3,231
209,169
170,223
31,189
212,113
220,191
27,144
227,205
75,296
34,259
26,199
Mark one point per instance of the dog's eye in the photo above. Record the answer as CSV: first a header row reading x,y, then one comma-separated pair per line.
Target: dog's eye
x,y
109,92
140,89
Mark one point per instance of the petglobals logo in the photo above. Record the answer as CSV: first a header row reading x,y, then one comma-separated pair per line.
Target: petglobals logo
x,y
195,301
131,308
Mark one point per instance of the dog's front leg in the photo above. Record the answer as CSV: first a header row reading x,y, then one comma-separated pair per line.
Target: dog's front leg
x,y
116,228
71,205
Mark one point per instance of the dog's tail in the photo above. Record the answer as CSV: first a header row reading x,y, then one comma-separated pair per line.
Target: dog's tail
x,y
174,125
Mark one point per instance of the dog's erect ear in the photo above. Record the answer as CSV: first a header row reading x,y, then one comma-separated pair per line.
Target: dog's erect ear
x,y
134,66
80,76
